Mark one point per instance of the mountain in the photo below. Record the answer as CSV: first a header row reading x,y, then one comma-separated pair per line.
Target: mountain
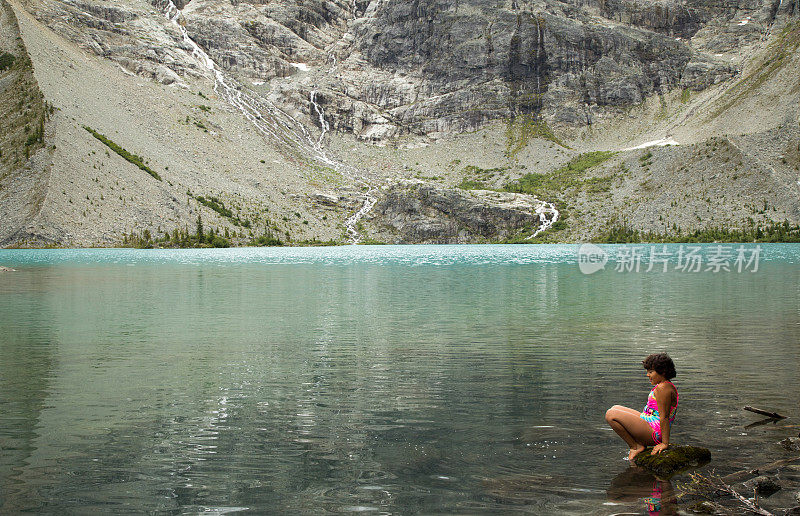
x,y
425,121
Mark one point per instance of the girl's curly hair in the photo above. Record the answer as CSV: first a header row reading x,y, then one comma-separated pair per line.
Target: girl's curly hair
x,y
660,363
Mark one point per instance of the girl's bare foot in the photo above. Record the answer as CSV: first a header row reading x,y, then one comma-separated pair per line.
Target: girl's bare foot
x,y
635,451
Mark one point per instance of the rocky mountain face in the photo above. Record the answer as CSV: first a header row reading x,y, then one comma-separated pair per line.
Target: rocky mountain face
x,y
422,213
320,82
386,68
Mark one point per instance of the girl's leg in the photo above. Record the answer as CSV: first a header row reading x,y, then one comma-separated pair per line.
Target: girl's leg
x,y
627,409
633,429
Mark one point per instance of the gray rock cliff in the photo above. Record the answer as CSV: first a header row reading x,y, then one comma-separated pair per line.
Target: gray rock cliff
x,y
392,67
423,214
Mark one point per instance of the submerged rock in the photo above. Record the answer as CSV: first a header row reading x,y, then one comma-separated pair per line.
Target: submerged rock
x,y
763,485
790,443
705,507
674,459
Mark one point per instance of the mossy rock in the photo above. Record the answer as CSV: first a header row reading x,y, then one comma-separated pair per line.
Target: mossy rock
x,y
674,459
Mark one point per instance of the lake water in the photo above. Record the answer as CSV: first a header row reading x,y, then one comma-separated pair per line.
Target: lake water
x,y
393,379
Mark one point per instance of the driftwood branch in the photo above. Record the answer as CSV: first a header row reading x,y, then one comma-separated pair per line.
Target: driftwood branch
x,y
747,502
767,468
702,483
767,413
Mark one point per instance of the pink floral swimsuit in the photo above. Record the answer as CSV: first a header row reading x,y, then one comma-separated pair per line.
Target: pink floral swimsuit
x,y
651,416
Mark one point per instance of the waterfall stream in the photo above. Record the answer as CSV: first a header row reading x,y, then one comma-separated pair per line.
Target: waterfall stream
x,y
323,124
543,210
274,123
279,126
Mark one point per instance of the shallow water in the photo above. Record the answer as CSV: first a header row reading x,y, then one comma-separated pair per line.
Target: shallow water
x,y
392,379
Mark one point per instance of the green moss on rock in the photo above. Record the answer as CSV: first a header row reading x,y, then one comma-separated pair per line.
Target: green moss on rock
x,y
674,459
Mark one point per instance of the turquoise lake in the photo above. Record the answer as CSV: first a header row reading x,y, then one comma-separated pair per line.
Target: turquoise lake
x,y
377,379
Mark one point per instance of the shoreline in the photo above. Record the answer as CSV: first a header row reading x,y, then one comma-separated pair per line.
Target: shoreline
x,y
371,243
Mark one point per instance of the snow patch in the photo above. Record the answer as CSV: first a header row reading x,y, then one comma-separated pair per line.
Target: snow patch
x,y
745,21
663,142
303,67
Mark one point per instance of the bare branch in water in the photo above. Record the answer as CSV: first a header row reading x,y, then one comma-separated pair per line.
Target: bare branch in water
x,y
707,486
763,412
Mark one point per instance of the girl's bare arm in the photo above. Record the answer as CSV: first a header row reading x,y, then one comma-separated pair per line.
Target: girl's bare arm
x,y
663,399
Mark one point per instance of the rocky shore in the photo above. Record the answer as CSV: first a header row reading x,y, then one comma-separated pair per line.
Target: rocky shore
x,y
769,489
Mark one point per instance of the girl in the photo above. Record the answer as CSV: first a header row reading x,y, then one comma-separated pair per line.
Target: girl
x,y
651,427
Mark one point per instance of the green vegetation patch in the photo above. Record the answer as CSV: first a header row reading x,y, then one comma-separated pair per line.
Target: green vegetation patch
x,y
218,206
771,232
37,136
133,158
522,129
471,184
597,185
568,176
319,174
478,171
6,61
23,111
545,237
476,178
179,238
266,240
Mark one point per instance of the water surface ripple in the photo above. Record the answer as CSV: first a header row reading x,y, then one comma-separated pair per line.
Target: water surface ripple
x,y
387,379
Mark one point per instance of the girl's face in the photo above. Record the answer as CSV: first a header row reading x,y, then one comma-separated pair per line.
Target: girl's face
x,y
654,377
